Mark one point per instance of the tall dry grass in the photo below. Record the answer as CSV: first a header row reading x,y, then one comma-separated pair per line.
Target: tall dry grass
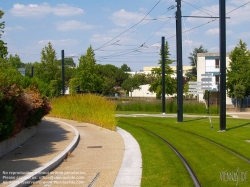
x,y
85,108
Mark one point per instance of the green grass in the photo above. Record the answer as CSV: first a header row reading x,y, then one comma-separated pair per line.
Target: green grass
x,y
207,159
86,108
171,106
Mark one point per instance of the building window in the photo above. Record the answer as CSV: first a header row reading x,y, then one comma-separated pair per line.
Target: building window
x,y
217,63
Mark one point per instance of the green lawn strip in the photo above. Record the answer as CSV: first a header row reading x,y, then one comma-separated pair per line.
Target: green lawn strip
x,y
161,166
238,131
207,159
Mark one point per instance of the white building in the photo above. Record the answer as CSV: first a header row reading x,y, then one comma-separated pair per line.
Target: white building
x,y
143,92
148,69
210,63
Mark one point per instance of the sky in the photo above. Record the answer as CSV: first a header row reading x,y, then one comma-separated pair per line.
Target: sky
x,y
120,32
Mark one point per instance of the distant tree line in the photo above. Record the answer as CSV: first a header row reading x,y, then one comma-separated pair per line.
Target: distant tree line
x,y
90,77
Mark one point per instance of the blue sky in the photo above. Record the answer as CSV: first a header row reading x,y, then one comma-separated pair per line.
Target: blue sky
x,y
104,24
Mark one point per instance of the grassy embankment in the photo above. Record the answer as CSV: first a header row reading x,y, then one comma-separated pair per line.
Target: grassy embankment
x,y
161,167
85,108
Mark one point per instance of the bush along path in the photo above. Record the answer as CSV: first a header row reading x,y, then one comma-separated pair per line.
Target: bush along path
x,y
20,109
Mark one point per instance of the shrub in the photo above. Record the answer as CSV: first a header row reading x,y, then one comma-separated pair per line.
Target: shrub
x,y
20,109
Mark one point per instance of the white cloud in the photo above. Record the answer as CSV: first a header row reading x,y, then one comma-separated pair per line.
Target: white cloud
x,y
73,25
157,45
66,42
214,31
123,18
36,10
65,10
191,44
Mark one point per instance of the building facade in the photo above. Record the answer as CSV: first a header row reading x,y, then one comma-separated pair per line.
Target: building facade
x,y
210,63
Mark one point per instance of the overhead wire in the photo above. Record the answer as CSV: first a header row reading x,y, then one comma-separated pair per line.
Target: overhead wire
x,y
151,45
142,45
130,27
199,8
238,7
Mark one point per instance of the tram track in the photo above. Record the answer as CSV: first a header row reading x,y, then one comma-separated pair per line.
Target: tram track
x,y
208,140
183,160
200,154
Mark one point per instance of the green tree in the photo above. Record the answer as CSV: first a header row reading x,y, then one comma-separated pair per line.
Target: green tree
x,y
193,62
89,79
125,68
239,70
156,84
109,74
48,69
131,83
3,48
239,94
15,61
68,62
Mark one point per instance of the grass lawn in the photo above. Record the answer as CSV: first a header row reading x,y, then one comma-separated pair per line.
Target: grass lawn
x,y
210,162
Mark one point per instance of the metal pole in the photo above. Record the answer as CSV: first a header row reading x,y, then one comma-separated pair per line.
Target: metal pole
x,y
179,62
63,87
163,74
222,65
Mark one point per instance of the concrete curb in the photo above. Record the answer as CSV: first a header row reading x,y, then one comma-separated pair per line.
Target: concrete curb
x,y
33,176
130,172
10,144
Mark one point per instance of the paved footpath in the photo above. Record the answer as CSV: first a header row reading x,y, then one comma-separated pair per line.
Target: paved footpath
x,y
95,161
50,139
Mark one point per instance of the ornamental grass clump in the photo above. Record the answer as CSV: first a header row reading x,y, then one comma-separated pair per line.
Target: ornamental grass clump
x,y
85,108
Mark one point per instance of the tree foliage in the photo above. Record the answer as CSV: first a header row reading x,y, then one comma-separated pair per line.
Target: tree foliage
x,y
15,61
135,81
3,48
156,84
125,68
239,71
87,73
193,62
48,69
